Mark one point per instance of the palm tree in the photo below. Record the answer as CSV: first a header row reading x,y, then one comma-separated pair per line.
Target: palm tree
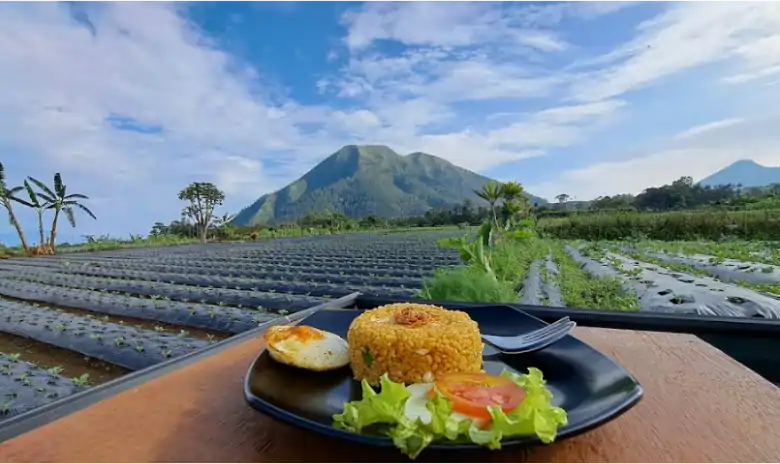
x,y
59,201
491,193
6,199
36,204
511,190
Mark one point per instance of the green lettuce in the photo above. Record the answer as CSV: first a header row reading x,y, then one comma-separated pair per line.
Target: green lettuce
x,y
385,410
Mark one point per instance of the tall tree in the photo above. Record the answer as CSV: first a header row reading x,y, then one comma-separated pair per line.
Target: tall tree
x,y
7,197
60,201
491,193
203,198
562,198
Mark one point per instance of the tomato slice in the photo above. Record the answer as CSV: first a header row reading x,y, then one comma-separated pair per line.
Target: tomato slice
x,y
471,394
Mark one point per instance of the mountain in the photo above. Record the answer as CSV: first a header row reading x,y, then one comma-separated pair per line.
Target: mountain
x,y
745,172
369,180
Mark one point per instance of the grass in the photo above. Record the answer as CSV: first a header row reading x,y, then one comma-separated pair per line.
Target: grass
x,y
581,290
509,260
467,284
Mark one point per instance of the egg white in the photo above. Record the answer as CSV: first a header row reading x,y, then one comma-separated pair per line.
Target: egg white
x,y
322,354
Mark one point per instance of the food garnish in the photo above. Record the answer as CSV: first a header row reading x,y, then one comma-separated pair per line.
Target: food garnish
x,y
471,394
478,408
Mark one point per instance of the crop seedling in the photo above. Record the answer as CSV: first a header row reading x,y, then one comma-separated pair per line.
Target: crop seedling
x,y
82,380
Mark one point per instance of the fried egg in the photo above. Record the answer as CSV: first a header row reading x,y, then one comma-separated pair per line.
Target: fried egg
x,y
306,347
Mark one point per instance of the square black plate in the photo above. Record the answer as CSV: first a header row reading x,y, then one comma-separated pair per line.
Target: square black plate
x,y
590,386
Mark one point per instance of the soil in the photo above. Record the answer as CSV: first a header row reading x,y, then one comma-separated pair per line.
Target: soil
x,y
47,356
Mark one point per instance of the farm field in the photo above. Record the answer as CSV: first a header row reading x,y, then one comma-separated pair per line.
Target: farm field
x,y
71,321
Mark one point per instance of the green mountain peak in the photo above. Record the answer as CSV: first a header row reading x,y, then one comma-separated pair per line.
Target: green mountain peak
x,y
363,180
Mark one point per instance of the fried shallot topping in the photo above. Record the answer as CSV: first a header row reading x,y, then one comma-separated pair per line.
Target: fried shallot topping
x,y
413,317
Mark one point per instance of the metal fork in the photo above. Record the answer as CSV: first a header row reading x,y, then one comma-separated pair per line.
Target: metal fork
x,y
531,341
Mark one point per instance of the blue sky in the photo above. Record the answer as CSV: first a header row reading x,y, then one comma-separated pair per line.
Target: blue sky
x,y
131,101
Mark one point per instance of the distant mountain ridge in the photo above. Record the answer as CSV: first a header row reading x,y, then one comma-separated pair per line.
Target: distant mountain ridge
x,y
360,181
745,172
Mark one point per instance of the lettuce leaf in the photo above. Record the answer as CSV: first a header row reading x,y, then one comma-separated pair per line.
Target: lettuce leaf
x,y
535,416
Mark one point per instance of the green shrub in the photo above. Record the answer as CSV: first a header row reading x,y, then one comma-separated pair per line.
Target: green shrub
x,y
676,225
467,284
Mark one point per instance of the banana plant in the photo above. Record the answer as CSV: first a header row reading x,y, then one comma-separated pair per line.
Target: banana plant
x,y
60,201
35,203
474,254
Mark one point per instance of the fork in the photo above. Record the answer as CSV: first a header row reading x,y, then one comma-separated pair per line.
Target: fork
x,y
531,341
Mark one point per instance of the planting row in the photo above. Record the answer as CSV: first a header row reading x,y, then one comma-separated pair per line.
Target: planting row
x,y
264,281
258,271
540,286
204,295
24,386
662,290
117,344
227,262
202,316
761,277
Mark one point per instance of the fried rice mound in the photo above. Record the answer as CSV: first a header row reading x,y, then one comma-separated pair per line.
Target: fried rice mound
x,y
413,343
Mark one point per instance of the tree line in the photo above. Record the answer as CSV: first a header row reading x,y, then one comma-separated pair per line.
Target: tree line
x,y
54,200
682,194
505,205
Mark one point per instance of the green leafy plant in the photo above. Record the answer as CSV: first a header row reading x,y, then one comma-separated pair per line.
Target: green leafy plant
x,y
467,284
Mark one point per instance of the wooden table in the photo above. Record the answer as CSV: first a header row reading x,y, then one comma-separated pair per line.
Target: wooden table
x,y
699,405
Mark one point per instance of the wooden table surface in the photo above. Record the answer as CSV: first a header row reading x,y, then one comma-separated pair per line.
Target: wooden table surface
x,y
699,405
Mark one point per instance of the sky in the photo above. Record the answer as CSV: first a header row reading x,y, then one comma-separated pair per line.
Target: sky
x,y
132,101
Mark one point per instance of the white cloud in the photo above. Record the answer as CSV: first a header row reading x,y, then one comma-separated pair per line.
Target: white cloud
x,y
575,113
147,63
453,24
458,54
709,127
685,36
753,75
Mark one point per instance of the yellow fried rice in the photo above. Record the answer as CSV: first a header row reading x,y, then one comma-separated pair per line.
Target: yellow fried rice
x,y
413,343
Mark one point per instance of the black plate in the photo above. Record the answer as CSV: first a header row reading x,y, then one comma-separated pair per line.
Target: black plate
x,y
590,386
